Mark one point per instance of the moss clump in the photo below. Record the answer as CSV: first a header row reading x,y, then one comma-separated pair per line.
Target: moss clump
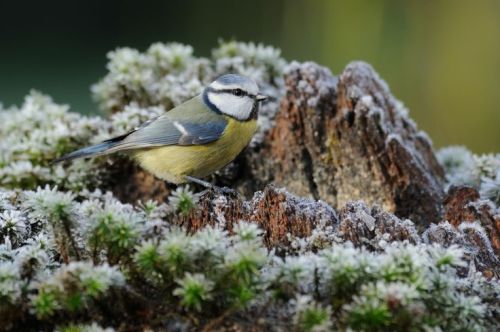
x,y
140,86
482,172
129,257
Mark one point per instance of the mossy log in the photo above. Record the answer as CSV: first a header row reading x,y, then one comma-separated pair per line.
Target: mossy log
x,y
337,140
334,139
285,217
347,138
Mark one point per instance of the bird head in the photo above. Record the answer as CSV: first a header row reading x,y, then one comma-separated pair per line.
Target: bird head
x,y
234,95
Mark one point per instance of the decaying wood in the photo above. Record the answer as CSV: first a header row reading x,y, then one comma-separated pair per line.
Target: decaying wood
x,y
374,227
462,205
279,213
347,139
283,217
472,240
338,140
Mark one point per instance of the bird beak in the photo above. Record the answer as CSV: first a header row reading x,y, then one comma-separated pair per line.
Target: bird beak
x,y
261,97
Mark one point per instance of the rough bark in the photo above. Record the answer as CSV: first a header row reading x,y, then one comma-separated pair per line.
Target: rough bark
x,y
339,140
279,213
472,240
284,217
347,139
462,205
373,227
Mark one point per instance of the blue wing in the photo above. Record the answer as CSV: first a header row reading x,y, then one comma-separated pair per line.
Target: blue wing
x,y
191,123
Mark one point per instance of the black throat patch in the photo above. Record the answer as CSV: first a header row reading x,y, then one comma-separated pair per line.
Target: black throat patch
x,y
207,102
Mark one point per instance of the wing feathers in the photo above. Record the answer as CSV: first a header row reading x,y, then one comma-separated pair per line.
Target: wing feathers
x,y
191,123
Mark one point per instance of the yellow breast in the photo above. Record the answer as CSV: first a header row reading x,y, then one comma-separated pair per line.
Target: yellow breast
x,y
172,163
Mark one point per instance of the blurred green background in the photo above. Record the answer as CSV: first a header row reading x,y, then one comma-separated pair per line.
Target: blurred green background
x,y
441,58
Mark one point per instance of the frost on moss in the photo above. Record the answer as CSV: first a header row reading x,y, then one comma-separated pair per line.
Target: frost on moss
x,y
310,316
169,74
33,135
139,86
490,187
72,288
183,199
166,75
133,256
479,171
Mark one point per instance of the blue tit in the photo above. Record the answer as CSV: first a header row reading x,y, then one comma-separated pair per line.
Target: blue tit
x,y
194,139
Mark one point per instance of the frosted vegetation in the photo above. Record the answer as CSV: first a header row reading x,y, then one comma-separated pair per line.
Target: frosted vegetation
x,y
464,168
142,86
66,257
75,258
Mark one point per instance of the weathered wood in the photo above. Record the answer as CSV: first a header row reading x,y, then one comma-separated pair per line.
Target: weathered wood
x,y
334,139
276,211
284,217
462,205
347,139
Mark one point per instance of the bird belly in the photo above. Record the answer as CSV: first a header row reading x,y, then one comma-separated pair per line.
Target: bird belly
x,y
173,162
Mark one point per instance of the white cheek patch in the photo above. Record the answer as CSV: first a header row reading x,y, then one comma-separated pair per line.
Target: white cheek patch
x,y
234,106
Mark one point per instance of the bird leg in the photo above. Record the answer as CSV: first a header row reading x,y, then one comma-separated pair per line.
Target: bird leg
x,y
208,185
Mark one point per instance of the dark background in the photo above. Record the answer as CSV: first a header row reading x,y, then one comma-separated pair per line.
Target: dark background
x,y
441,58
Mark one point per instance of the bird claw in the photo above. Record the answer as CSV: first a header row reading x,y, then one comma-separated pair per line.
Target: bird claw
x,y
211,187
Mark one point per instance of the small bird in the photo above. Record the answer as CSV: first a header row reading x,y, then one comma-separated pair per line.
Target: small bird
x,y
194,139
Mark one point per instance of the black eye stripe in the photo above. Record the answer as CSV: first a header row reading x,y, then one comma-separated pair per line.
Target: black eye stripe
x,y
233,92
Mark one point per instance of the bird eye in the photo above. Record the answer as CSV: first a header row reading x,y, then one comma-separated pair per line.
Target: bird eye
x,y
238,92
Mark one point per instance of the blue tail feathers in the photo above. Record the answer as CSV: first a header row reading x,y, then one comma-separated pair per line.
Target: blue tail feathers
x,y
90,151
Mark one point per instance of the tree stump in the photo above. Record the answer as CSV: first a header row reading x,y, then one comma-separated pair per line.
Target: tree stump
x,y
348,138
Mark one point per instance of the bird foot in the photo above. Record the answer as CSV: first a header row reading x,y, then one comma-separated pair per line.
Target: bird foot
x,y
211,187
